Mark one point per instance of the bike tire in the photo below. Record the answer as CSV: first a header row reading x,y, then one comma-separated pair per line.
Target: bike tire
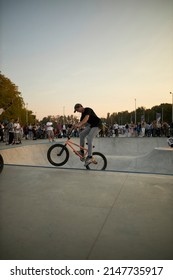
x,y
58,154
1,163
101,162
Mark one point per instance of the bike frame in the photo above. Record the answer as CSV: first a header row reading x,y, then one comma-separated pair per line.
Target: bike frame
x,y
71,144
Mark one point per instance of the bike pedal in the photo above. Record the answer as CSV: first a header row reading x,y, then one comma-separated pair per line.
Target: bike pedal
x,y
82,159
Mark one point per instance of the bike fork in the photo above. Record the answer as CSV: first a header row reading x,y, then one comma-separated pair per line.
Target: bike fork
x,y
62,150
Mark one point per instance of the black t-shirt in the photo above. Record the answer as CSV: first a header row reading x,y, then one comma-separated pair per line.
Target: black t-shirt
x,y
93,120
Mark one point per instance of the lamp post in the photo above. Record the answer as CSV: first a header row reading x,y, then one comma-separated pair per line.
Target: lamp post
x,y
135,110
172,104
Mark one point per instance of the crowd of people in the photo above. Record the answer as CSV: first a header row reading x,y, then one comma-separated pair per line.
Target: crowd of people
x,y
13,132
141,129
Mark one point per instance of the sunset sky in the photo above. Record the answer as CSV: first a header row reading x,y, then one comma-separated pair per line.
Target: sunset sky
x,y
101,53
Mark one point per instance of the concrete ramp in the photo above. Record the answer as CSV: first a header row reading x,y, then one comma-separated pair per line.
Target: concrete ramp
x,y
123,146
35,155
150,155
157,161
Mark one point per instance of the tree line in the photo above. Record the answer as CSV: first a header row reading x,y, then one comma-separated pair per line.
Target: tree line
x,y
162,111
12,102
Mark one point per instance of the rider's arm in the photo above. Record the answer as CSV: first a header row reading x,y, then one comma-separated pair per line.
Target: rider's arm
x,y
84,121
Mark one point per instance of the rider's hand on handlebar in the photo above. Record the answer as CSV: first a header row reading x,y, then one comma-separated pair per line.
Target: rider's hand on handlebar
x,y
70,131
77,125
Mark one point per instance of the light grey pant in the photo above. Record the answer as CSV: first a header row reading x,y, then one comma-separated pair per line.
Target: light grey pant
x,y
90,133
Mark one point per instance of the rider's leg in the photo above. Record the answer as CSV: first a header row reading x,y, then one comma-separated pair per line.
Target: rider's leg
x,y
83,135
93,132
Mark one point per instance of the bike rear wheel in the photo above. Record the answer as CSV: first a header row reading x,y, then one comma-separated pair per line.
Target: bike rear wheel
x,y
99,162
58,154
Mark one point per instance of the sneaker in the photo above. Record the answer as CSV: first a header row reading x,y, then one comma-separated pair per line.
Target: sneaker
x,y
81,152
88,161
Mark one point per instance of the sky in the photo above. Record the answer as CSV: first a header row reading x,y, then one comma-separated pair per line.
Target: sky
x,y
104,54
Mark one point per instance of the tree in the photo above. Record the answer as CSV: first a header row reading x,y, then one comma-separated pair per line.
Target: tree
x,y
12,102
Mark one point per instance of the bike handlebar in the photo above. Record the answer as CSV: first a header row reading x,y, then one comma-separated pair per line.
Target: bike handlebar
x,y
70,132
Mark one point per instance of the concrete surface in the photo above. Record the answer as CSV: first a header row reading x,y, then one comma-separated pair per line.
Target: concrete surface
x,y
48,213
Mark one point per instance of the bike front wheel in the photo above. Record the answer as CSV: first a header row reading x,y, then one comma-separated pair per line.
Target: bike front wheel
x,y
58,154
99,162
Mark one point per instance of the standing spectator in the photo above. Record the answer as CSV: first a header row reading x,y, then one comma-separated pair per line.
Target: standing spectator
x,y
115,127
6,133
131,129
25,131
64,130
154,128
126,129
165,129
143,125
148,130
158,131
30,132
34,131
59,131
138,129
17,132
50,132
11,131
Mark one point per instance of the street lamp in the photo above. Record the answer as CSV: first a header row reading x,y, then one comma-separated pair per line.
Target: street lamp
x,y
172,104
135,110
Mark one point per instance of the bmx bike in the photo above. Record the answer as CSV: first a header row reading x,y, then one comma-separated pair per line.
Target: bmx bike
x,y
58,155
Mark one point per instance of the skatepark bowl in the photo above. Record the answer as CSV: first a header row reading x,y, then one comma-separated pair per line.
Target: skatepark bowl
x,y
57,213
